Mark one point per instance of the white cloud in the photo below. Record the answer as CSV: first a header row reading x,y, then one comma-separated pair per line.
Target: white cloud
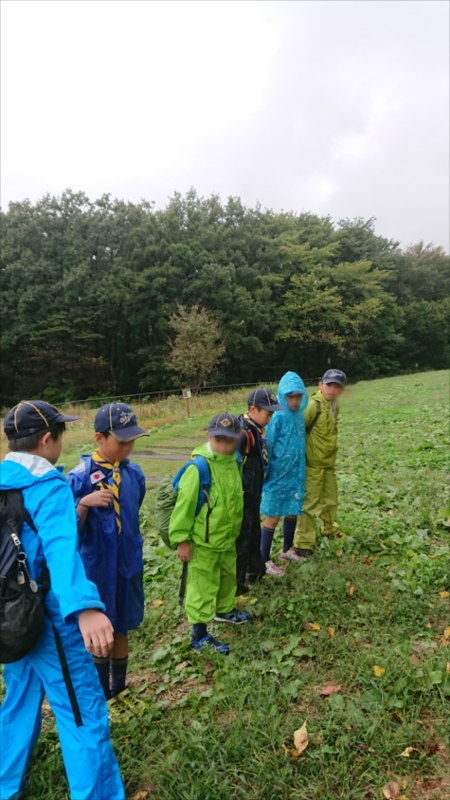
x,y
334,107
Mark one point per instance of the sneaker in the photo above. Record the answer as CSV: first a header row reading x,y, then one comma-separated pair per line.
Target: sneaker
x,y
244,600
273,571
299,551
208,642
290,555
234,616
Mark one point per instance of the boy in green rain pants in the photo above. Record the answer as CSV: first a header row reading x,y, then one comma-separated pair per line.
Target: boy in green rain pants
x,y
321,492
207,541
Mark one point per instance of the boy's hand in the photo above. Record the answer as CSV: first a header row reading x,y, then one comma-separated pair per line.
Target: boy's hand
x,y
100,499
97,632
184,551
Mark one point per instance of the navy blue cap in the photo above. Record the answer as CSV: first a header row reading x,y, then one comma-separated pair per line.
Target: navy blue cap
x,y
225,425
32,416
264,398
119,419
334,376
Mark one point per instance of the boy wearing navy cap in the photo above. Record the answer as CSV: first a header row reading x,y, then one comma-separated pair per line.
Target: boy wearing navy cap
x,y
109,490
60,664
321,492
207,541
250,565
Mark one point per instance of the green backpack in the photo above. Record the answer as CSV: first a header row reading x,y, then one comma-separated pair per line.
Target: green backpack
x,y
167,494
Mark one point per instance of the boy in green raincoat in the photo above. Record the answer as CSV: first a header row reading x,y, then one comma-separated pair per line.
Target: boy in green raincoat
x,y
207,542
321,492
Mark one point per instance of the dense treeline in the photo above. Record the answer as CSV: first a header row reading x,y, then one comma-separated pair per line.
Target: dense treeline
x,y
88,289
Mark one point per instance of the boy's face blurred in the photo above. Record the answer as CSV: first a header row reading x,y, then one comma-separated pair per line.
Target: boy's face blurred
x,y
260,415
331,391
50,448
223,445
294,400
112,449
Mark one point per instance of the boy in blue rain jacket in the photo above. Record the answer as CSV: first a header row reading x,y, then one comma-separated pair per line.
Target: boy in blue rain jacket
x,y
73,607
108,491
284,485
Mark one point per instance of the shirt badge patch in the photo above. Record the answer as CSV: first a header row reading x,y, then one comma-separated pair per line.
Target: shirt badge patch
x,y
97,476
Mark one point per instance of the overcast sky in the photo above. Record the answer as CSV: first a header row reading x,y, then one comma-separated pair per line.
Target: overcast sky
x,y
337,108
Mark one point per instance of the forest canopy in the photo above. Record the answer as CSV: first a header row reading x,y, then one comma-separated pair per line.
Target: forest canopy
x,y
89,289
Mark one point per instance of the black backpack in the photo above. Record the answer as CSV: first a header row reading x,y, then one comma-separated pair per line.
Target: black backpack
x,y
21,600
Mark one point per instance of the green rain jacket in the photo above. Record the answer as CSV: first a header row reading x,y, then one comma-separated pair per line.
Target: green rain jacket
x,y
225,500
321,443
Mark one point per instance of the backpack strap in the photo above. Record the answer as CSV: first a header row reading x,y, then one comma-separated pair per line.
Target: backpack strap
x,y
318,413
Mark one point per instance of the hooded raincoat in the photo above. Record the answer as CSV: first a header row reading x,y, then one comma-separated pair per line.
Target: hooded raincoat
x,y
212,534
113,562
285,477
49,501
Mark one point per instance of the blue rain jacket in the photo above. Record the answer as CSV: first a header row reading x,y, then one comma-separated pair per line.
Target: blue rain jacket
x,y
284,486
112,561
48,499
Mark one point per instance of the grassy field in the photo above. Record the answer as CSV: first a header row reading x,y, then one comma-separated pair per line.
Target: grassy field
x,y
369,616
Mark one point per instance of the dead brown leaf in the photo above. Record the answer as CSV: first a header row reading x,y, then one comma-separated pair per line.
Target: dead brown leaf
x,y
181,666
156,603
327,690
301,739
331,632
391,790
407,752
351,589
311,626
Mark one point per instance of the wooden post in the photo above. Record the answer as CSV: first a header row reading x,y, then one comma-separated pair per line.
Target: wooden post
x,y
186,396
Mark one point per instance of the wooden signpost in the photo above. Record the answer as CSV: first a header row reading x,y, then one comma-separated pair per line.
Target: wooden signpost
x,y
186,396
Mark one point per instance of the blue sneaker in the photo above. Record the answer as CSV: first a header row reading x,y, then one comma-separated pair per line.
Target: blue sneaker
x,y
234,616
207,642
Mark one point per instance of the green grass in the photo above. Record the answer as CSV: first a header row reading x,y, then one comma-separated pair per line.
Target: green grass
x,y
214,728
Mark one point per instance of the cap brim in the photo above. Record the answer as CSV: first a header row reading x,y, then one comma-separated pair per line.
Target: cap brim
x,y
226,433
272,407
127,434
333,380
66,418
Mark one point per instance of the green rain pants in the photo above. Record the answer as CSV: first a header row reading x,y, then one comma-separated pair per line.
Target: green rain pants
x,y
321,497
211,583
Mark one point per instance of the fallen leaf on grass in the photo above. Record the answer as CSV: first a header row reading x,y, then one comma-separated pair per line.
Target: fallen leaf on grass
x,y
291,753
259,624
351,588
366,560
181,666
414,660
311,626
368,645
331,632
140,796
301,739
327,690
339,552
446,637
390,512
443,595
391,790
448,668
406,753
156,604
377,671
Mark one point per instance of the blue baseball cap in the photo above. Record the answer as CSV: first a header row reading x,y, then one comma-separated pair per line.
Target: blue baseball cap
x,y
334,376
120,420
264,398
225,425
32,416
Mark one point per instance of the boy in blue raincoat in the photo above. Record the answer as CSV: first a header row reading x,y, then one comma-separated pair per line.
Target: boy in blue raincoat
x,y
283,488
109,491
73,609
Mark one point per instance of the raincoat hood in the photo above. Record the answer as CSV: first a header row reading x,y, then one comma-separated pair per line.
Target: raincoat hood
x,y
291,382
21,470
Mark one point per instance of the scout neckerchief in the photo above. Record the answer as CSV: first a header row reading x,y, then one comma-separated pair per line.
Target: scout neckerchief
x,y
114,468
260,438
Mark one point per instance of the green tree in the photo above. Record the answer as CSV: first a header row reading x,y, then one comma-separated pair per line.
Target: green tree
x,y
197,347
